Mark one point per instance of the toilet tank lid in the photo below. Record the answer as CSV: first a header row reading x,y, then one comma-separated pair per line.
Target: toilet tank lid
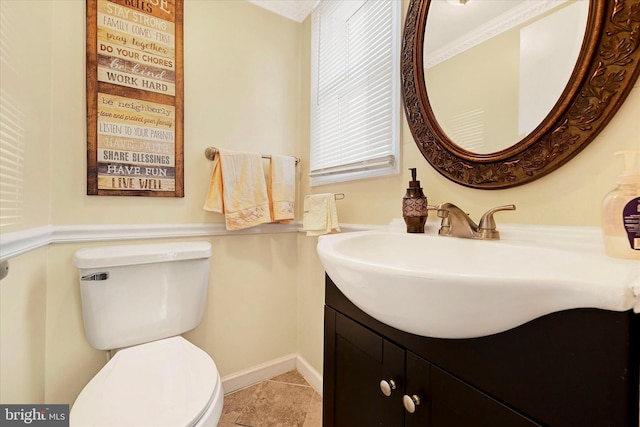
x,y
111,256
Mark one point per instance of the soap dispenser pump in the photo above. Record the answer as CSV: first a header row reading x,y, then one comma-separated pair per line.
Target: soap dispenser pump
x,y
414,206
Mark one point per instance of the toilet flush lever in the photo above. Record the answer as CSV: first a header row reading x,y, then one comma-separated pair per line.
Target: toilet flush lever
x,y
95,276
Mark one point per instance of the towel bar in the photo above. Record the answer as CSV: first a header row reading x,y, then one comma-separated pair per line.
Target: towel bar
x,y
210,153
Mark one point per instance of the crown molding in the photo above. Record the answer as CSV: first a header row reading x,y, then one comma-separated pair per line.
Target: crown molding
x,y
490,29
297,10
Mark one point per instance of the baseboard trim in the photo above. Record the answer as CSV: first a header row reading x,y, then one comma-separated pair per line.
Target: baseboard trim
x,y
264,371
311,375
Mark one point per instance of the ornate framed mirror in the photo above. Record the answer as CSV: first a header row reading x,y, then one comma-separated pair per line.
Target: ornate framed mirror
x,y
456,141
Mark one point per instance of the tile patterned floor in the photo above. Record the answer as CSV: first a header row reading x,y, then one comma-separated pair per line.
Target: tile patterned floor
x,y
283,401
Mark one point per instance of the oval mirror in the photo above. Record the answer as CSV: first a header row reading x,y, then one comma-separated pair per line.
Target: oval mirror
x,y
499,93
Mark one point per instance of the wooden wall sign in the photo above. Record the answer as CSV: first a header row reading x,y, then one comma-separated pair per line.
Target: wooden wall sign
x,y
135,98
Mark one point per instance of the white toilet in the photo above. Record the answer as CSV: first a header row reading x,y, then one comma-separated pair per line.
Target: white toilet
x,y
138,299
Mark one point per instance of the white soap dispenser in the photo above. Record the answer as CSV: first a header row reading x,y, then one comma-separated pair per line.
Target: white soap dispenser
x,y
621,211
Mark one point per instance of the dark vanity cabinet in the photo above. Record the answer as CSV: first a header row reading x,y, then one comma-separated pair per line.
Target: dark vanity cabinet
x,y
572,368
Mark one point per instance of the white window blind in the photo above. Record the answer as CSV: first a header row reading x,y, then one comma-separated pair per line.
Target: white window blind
x,y
12,120
355,99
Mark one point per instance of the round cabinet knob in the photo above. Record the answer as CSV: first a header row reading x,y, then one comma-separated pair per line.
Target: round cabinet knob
x,y
387,387
410,403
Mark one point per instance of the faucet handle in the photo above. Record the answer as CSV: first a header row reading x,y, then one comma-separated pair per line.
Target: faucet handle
x,y
445,224
487,224
441,213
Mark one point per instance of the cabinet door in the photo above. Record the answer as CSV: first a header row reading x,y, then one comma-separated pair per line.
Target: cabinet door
x,y
455,403
418,389
362,359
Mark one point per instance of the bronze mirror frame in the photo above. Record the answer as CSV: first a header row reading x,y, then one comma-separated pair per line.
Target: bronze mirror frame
x,y
607,67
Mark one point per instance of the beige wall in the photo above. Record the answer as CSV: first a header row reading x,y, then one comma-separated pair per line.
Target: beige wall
x,y
242,87
250,313
242,91
23,309
568,196
246,87
26,87
491,87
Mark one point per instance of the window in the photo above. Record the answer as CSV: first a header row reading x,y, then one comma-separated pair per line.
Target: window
x,y
355,85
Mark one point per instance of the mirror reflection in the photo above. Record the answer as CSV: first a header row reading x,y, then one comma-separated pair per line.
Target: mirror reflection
x,y
494,69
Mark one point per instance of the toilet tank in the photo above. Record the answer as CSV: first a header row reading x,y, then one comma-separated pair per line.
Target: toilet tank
x,y
134,294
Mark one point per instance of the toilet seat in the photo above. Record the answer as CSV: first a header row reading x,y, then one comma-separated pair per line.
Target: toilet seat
x,y
169,382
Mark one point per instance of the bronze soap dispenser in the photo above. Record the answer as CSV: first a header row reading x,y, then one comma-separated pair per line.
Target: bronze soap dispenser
x,y
414,206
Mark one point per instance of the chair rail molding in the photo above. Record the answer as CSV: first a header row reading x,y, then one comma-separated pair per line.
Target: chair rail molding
x,y
23,241
19,242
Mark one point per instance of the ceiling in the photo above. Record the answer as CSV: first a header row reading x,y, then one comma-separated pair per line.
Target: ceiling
x,y
296,10
472,16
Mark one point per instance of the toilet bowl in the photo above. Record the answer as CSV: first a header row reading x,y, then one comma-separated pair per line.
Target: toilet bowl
x,y
139,299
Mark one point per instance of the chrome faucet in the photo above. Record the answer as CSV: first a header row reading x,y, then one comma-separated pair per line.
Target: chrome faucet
x,y
456,223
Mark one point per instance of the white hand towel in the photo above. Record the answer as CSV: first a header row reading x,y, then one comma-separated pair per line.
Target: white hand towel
x,y
320,214
238,190
282,188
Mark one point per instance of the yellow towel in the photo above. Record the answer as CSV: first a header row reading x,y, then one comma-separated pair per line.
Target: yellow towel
x,y
320,214
238,190
282,188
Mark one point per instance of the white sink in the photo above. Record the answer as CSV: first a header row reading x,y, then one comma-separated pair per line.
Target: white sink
x,y
446,287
